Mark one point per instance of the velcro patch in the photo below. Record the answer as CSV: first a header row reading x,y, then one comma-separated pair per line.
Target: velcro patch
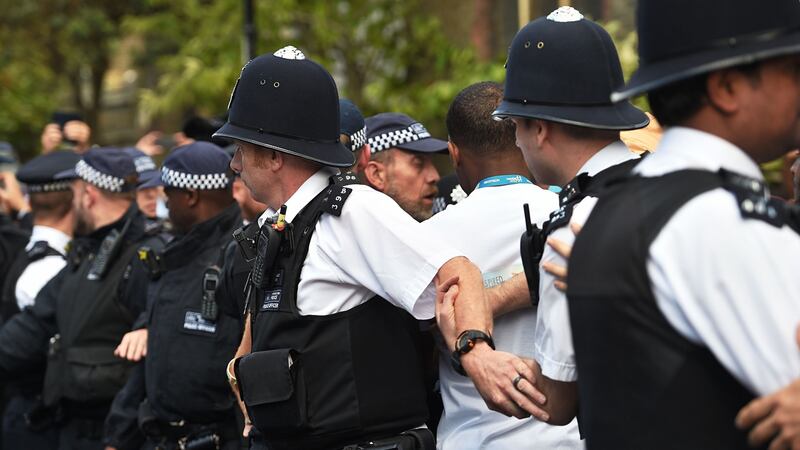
x,y
272,300
194,321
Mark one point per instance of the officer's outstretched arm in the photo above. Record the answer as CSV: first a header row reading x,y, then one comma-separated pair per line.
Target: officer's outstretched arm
x,y
24,338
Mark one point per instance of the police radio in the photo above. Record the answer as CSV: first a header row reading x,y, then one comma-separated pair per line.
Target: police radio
x,y
107,252
208,307
268,244
531,250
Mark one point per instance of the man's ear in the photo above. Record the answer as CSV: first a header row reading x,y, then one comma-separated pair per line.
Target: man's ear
x,y
192,197
90,195
362,158
455,153
276,160
375,174
543,129
724,89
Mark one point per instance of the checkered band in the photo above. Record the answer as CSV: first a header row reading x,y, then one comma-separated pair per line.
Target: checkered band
x,y
144,163
49,187
385,141
102,180
182,180
358,139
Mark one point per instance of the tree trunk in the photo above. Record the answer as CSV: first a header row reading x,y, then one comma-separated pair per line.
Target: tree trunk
x,y
481,31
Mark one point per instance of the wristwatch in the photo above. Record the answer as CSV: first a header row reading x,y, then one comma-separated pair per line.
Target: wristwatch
x,y
466,341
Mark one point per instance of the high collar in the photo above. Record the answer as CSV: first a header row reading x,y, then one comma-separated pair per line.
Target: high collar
x,y
135,230
212,232
304,194
688,148
56,239
610,155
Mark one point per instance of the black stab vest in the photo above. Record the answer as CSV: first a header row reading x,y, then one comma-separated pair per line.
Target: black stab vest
x,y
532,241
24,258
642,384
358,370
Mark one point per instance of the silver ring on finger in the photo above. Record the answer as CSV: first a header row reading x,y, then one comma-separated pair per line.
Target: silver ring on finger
x,y
516,381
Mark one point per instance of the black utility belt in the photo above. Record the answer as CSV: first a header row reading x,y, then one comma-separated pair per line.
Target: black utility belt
x,y
416,439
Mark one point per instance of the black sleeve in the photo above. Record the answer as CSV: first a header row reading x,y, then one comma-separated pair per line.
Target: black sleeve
x,y
122,423
230,292
24,338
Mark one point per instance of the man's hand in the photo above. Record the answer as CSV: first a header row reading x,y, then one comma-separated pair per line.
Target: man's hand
x,y
774,417
446,294
493,373
149,145
133,346
78,132
11,194
565,250
51,137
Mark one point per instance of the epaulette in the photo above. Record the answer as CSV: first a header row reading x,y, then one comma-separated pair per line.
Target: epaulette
x,y
39,250
337,193
753,199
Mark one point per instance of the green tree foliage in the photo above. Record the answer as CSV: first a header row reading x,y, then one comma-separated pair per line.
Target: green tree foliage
x,y
52,49
385,55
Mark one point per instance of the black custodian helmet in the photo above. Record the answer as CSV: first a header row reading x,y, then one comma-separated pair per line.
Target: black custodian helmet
x,y
563,68
286,102
679,39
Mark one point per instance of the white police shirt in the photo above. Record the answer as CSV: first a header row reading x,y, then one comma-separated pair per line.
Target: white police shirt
x,y
553,345
723,281
39,272
373,248
486,227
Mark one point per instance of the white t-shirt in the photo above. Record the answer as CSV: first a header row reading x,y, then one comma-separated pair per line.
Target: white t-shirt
x,y
39,272
373,248
486,227
553,349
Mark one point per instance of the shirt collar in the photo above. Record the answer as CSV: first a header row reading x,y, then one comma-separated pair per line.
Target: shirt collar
x,y
688,148
56,239
304,194
610,155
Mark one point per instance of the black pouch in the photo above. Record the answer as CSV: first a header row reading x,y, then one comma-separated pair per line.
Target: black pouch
x,y
94,374
272,387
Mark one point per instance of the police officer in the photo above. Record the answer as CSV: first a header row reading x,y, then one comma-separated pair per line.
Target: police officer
x,y
561,71
353,134
699,303
188,402
85,309
14,233
148,190
42,259
400,164
329,347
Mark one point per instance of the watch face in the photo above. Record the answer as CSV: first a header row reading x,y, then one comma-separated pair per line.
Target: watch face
x,y
466,341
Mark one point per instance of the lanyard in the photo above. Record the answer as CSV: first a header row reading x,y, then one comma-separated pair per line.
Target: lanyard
x,y
502,180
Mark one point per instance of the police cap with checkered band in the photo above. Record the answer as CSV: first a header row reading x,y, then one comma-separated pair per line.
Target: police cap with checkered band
x,y
108,168
679,39
39,174
563,68
395,130
352,125
287,102
199,165
149,175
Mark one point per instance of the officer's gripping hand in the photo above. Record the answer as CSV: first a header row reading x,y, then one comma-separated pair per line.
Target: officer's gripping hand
x,y
565,250
494,372
446,294
133,346
774,417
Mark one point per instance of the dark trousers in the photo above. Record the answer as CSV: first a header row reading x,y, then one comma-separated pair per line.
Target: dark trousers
x,y
152,445
81,434
17,435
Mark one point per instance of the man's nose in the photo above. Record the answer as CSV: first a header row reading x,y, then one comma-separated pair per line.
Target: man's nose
x,y
236,161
